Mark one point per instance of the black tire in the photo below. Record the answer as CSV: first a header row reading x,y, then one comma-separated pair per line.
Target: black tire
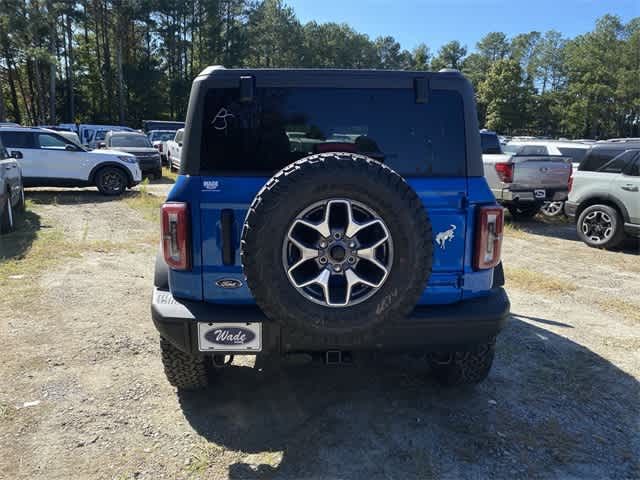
x,y
524,211
467,367
111,181
617,235
318,178
21,206
7,219
184,371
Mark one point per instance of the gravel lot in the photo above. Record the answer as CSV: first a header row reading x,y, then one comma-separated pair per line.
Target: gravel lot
x,y
83,393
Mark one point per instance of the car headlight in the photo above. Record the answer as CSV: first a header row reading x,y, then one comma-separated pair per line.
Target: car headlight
x,y
128,159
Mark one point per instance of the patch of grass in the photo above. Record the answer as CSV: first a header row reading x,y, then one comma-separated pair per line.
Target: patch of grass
x,y
203,457
168,174
514,231
6,411
145,202
533,281
622,307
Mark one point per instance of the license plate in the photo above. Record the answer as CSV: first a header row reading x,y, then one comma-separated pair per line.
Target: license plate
x,y
540,193
229,337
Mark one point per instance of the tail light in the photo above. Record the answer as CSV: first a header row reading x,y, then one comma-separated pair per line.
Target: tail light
x,y
570,185
488,237
505,171
175,235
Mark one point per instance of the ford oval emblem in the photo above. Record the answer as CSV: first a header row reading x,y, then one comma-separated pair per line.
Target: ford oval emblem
x,y
230,336
544,169
229,283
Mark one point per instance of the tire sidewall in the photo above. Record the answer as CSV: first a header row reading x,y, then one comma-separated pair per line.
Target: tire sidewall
x,y
617,235
103,172
290,306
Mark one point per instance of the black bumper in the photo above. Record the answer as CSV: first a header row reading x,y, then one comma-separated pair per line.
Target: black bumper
x,y
432,327
570,209
150,165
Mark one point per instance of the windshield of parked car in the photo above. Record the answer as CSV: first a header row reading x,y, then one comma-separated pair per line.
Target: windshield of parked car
x,y
162,136
129,141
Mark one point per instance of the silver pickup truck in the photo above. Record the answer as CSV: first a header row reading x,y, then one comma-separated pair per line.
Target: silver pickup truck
x,y
521,182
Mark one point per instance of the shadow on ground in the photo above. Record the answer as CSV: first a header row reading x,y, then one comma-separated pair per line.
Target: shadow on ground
x,y
16,244
42,196
549,408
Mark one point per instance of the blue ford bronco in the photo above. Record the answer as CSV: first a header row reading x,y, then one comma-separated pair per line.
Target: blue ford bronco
x,y
327,213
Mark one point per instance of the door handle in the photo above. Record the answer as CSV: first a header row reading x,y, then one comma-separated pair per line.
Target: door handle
x,y
630,188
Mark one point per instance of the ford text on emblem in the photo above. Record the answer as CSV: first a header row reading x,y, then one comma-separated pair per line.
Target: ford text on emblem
x,y
230,336
229,283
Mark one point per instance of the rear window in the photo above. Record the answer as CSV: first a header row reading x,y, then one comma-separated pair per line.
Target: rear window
x,y
533,150
282,125
576,154
598,158
17,139
490,144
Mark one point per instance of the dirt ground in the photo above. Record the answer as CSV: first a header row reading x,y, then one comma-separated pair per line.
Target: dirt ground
x,y
83,394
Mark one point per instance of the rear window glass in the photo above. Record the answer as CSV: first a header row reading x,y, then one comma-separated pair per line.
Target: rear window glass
x,y
490,144
282,125
533,150
16,139
598,158
576,154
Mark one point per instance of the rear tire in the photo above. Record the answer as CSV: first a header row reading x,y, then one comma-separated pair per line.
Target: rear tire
x,y
7,220
184,371
111,181
593,224
467,367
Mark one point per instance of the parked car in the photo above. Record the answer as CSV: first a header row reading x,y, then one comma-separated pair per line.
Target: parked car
x,y
49,159
139,145
575,150
605,194
174,150
91,135
524,180
159,139
11,190
269,249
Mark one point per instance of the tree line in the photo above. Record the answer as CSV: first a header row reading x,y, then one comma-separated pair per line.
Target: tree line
x,y
121,61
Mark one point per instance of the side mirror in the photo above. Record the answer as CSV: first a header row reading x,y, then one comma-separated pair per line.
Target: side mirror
x,y
70,148
102,145
16,154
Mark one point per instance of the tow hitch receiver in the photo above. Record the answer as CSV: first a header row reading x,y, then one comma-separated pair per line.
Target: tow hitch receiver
x,y
338,357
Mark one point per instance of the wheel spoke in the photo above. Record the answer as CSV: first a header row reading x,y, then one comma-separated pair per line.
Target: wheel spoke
x,y
322,280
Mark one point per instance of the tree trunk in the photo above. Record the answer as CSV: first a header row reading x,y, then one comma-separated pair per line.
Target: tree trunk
x,y
72,98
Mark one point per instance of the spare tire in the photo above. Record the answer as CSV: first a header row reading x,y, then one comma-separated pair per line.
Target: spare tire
x,y
336,244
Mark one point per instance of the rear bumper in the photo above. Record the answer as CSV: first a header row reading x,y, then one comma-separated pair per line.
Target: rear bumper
x,y
632,229
570,209
509,195
432,327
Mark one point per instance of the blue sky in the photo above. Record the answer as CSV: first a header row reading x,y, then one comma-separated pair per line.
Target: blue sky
x,y
436,22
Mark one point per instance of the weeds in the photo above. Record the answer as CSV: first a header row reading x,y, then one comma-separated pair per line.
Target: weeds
x,y
533,281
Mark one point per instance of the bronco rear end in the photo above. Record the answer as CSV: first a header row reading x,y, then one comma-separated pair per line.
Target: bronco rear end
x,y
330,212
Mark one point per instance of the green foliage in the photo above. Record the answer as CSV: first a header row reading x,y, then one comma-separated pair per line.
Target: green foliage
x,y
106,61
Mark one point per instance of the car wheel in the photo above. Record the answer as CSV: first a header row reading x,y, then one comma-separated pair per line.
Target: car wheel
x,y
352,252
466,367
600,226
552,209
524,211
7,219
184,371
111,181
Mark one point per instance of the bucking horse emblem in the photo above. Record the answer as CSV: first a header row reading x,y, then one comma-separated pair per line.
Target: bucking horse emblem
x,y
443,237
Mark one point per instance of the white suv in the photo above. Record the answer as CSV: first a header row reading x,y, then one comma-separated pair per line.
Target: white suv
x,y
49,159
605,194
